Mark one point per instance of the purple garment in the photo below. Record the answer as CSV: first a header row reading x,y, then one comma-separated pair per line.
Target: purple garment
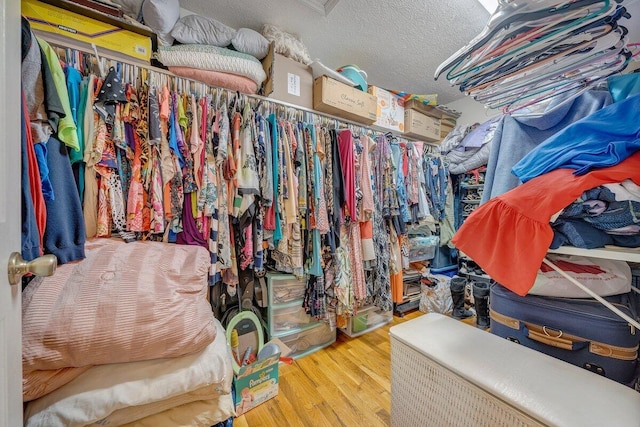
x,y
478,137
190,235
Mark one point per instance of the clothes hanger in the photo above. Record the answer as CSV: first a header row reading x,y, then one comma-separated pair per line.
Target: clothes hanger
x,y
564,46
594,65
505,16
469,64
551,67
573,90
529,65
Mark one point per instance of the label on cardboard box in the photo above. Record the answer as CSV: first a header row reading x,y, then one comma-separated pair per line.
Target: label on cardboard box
x,y
256,383
293,84
390,109
333,97
51,19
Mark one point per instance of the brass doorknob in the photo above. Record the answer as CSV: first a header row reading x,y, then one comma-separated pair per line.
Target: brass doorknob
x,y
41,266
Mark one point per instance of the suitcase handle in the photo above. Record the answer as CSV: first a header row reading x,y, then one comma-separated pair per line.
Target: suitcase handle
x,y
559,339
553,338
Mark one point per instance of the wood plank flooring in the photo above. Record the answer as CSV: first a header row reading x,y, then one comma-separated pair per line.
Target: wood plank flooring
x,y
346,384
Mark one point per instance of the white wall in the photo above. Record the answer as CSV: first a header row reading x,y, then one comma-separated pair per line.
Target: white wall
x,y
472,111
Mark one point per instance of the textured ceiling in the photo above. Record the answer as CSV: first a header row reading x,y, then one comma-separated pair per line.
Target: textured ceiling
x,y
398,43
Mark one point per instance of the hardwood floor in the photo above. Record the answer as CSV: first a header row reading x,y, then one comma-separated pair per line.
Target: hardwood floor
x,y
346,384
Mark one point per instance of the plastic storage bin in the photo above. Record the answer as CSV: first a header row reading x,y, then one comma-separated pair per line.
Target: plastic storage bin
x,y
366,320
286,318
285,288
309,340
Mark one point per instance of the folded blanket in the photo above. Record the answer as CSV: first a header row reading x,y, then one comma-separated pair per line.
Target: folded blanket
x,y
116,394
125,302
229,81
212,58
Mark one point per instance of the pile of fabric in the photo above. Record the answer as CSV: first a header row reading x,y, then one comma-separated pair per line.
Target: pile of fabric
x,y
125,336
468,147
564,173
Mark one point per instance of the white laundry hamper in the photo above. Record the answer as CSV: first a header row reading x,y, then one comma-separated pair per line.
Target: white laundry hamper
x,y
447,373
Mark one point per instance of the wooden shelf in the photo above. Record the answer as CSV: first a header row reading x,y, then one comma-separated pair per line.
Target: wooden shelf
x,y
609,252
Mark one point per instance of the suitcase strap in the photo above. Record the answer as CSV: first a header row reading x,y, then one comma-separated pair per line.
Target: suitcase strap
x,y
559,339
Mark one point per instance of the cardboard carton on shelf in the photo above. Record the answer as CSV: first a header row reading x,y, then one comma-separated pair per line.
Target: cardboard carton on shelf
x,y
84,25
339,99
389,109
421,126
287,80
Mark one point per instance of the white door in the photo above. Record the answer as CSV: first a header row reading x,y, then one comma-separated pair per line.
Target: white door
x,y
10,219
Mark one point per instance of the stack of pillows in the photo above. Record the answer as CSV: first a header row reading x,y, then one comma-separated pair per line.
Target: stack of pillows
x,y
210,51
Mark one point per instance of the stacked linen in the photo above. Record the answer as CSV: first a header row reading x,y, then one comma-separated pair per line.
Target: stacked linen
x,y
121,393
217,66
122,335
216,54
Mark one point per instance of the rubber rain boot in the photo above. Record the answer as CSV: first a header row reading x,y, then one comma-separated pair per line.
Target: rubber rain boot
x,y
480,292
457,286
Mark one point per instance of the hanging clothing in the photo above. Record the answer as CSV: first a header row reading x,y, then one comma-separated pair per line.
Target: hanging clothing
x,y
345,146
64,234
67,131
32,226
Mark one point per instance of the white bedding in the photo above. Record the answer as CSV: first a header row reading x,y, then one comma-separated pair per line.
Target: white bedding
x,y
201,413
116,394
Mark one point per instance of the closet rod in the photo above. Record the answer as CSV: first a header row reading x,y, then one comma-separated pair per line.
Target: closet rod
x,y
66,42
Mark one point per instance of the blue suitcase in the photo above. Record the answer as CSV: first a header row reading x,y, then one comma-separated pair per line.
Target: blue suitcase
x,y
582,332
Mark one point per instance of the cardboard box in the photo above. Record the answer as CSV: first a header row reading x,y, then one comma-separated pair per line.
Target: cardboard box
x,y
256,383
421,126
428,110
389,109
103,30
287,80
331,96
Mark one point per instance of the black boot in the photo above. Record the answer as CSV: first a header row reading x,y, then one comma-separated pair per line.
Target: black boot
x,y
457,286
481,299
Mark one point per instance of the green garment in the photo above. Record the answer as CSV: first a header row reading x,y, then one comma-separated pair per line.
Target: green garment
x,y
67,132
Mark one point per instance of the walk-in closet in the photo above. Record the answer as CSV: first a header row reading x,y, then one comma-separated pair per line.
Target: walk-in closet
x,y
222,213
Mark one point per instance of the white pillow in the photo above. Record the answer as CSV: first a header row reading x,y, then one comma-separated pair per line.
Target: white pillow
x,y
196,29
251,42
116,394
161,16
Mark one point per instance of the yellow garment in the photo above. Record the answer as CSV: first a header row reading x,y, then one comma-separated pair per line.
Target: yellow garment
x,y
67,131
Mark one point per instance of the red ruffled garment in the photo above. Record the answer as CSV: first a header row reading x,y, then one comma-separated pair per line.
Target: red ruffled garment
x,y
510,235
